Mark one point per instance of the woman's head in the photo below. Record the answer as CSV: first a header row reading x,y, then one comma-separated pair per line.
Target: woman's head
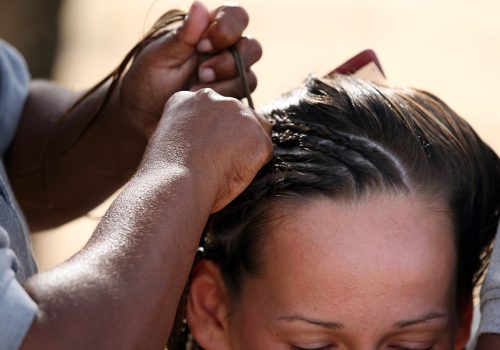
x,y
377,209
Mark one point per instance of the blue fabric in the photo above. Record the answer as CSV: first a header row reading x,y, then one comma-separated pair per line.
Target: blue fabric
x,y
490,293
17,309
13,222
14,79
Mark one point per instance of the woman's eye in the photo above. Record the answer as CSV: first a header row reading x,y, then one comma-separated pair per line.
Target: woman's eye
x,y
326,347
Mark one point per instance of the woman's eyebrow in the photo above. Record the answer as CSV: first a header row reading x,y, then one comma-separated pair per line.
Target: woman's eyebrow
x,y
422,319
321,323
337,325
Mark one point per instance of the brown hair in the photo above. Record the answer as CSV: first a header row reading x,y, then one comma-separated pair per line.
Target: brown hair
x,y
345,138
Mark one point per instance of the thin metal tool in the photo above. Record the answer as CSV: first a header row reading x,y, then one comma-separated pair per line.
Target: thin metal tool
x,y
243,75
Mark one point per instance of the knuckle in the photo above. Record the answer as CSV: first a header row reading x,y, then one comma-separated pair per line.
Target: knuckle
x,y
239,13
266,148
252,80
223,65
225,33
234,107
228,26
178,97
257,49
252,50
205,93
209,96
183,94
235,13
269,146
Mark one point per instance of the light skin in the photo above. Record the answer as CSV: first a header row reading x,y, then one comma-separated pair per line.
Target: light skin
x,y
122,289
378,273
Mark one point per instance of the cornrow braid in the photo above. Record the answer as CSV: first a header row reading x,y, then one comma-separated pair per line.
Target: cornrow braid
x,y
345,138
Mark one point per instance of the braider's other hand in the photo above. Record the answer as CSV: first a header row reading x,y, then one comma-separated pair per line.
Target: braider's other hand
x,y
171,63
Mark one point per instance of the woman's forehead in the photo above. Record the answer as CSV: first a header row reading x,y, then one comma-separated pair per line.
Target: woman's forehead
x,y
383,243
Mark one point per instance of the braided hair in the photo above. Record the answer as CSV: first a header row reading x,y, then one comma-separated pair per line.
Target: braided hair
x,y
345,138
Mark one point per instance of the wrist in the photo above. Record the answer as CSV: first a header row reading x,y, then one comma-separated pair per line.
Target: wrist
x,y
175,178
137,116
122,126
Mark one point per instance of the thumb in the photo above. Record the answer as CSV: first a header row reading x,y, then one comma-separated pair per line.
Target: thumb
x,y
196,22
182,44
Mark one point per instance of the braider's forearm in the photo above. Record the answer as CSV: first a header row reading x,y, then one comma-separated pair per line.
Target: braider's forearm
x,y
121,291
59,169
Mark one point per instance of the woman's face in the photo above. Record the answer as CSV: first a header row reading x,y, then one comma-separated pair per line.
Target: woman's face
x,y
375,274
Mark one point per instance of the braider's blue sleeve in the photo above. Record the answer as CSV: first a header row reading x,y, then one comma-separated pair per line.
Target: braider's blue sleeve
x,y
17,309
490,294
14,80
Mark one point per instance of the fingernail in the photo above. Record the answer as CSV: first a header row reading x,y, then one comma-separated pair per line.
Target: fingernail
x,y
205,46
206,75
194,5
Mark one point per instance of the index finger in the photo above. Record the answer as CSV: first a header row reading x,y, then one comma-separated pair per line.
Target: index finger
x,y
225,29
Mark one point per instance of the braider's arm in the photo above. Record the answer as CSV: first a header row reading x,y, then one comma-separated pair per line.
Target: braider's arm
x,y
61,166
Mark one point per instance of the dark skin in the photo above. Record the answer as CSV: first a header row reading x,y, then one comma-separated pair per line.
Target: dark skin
x,y
80,177
122,289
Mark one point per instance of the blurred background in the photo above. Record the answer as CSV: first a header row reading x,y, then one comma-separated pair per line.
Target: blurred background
x,y
449,47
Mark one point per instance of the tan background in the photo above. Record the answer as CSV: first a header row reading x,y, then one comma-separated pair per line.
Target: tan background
x,y
451,48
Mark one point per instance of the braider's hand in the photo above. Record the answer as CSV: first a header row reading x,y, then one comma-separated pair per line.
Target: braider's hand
x,y
218,140
171,63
